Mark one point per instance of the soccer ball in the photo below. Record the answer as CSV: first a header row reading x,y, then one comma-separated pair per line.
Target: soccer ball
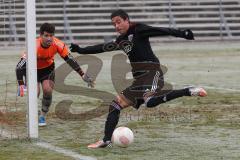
x,y
122,137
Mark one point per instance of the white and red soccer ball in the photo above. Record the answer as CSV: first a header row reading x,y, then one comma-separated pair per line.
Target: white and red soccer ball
x,y
122,137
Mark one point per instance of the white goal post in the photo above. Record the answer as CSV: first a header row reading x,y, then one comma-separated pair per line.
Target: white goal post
x,y
32,119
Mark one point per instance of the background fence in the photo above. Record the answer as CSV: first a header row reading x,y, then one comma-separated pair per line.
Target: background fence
x,y
88,21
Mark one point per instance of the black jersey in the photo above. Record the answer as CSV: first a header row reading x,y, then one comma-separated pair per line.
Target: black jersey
x,y
136,44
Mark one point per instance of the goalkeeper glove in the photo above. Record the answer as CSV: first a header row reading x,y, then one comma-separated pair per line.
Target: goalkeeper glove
x,y
88,80
21,90
188,34
75,48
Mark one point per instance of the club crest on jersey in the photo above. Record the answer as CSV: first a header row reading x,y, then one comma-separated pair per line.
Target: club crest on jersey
x,y
130,37
126,46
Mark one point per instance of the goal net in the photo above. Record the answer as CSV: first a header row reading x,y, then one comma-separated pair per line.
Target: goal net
x,y
16,111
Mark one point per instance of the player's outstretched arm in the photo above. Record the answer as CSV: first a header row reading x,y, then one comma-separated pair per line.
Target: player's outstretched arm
x,y
73,63
87,50
149,31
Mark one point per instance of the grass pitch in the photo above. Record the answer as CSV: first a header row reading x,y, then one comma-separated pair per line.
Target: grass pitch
x,y
188,128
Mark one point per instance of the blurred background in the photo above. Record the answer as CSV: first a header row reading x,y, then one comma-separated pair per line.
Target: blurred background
x,y
89,21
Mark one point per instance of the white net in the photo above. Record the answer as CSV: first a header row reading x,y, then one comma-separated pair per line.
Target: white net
x,y
12,108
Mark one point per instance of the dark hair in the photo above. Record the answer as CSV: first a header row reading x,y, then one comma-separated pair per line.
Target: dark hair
x,y
121,13
47,27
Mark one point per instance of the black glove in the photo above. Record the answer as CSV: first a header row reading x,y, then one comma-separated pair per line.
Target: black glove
x,y
75,48
188,34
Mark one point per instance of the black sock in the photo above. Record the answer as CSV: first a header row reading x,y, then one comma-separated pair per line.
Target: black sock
x,y
112,120
173,94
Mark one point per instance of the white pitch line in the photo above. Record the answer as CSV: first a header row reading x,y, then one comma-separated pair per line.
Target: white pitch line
x,y
221,88
64,151
6,134
212,87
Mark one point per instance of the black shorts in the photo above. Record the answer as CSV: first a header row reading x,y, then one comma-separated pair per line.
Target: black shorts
x,y
47,73
151,78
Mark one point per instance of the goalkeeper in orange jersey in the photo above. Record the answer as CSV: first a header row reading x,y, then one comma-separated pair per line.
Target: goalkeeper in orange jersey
x,y
47,46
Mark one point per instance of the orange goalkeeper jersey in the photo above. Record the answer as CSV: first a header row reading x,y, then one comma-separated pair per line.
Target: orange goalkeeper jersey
x,y
45,56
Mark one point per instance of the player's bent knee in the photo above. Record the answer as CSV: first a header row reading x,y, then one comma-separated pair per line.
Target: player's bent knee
x,y
48,85
47,91
122,101
154,101
150,102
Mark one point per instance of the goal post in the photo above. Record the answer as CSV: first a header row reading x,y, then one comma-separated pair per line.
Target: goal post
x,y
30,15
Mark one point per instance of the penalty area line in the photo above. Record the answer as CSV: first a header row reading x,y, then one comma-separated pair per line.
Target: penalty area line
x,y
222,88
210,87
65,152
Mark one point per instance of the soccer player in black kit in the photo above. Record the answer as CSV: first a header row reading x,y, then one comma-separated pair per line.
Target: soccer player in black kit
x,y
147,87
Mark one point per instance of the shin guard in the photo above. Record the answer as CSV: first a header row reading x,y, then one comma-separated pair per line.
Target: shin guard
x,y
46,102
